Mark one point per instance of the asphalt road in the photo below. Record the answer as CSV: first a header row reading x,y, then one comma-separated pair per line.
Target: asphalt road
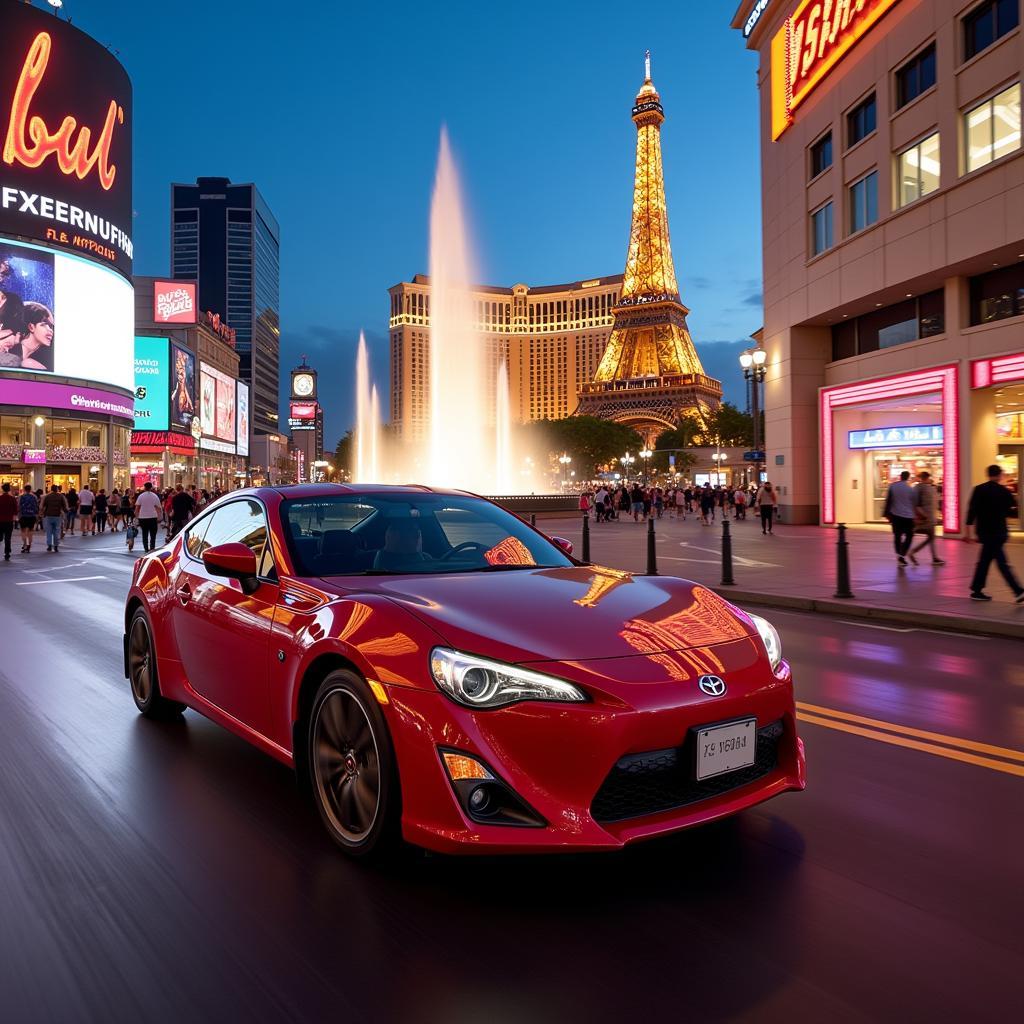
x,y
170,872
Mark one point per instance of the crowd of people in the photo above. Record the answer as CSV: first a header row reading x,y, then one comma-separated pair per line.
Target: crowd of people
x,y
57,513
706,502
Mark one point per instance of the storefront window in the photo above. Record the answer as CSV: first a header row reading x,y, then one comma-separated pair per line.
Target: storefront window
x,y
997,295
921,317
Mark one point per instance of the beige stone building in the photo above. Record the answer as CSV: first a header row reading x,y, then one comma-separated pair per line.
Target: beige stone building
x,y
892,181
553,337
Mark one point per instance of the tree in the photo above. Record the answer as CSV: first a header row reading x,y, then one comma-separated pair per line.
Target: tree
x,y
730,427
591,442
343,455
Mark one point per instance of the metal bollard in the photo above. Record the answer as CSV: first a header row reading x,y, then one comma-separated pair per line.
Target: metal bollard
x,y
586,537
533,520
843,565
727,577
652,554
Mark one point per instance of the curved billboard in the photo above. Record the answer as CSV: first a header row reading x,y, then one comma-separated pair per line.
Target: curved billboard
x,y
66,137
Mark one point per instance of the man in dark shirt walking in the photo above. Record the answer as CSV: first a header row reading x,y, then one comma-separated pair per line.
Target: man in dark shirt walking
x,y
182,507
8,517
991,505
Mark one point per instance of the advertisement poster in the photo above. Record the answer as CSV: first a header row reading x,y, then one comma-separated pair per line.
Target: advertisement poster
x,y
151,383
183,394
174,302
242,409
217,403
50,308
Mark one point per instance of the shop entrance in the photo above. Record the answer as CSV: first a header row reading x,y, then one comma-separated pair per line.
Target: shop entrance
x,y
1009,407
64,480
886,468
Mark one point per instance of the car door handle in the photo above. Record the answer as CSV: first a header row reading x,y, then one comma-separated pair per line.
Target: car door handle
x,y
184,593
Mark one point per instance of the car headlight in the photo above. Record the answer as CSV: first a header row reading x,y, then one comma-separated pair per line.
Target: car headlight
x,y
770,636
479,683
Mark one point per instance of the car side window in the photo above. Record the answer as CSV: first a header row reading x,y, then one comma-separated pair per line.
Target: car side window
x,y
242,522
194,538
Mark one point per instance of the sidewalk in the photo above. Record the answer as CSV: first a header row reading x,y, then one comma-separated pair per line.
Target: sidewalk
x,y
796,568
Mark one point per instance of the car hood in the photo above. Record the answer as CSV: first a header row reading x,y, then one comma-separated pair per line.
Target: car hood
x,y
577,613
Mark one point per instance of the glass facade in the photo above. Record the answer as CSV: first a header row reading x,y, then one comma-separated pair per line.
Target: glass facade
x,y
821,155
992,129
997,295
917,170
861,121
821,229
988,22
915,77
914,318
864,202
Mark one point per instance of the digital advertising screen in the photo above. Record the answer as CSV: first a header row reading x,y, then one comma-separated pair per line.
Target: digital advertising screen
x,y
217,403
66,130
152,379
65,315
242,418
183,387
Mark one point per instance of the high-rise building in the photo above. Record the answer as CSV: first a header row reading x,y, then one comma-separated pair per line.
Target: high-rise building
x,y
553,337
650,375
224,236
892,181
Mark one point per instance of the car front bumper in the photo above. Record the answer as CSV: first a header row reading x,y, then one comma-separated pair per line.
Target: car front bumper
x,y
558,758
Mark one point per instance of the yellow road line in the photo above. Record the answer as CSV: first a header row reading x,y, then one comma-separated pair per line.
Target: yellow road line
x,y
902,741
906,730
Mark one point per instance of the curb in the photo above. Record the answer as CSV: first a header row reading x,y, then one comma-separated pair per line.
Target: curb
x,y
880,613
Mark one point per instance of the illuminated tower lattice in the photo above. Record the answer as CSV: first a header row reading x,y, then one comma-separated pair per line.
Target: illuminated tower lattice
x,y
650,376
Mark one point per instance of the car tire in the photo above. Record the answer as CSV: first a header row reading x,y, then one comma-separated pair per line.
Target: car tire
x,y
353,774
142,675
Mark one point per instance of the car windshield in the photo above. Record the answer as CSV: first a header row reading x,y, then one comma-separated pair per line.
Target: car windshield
x,y
407,532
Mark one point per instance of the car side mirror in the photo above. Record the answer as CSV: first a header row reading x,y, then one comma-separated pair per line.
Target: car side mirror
x,y
235,561
565,545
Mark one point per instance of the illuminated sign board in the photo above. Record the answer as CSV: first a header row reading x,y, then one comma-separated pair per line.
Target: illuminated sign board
x,y
210,445
302,411
755,17
986,373
897,437
174,302
151,383
65,132
33,456
72,318
44,395
242,419
162,439
813,39
217,404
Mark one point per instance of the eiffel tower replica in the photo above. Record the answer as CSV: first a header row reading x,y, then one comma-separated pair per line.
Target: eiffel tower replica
x,y
650,376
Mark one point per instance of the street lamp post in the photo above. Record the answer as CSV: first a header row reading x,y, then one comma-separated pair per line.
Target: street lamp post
x,y
646,456
564,459
627,461
753,361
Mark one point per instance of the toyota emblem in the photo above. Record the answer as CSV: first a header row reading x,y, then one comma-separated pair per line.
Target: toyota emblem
x,y
713,686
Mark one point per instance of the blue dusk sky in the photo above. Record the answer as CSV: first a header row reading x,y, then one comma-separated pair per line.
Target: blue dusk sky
x,y
335,109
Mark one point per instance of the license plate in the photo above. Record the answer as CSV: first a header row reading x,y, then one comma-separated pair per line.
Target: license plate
x,y
724,748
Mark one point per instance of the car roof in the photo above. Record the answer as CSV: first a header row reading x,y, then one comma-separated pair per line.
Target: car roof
x,y
326,490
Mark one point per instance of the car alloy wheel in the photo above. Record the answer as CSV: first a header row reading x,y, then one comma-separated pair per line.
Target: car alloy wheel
x,y
142,672
352,764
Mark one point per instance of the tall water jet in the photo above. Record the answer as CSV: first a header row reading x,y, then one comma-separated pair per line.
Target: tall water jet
x,y
459,450
364,415
503,483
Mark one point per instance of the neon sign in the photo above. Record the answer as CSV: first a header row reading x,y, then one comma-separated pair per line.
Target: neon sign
x,y
813,39
896,437
73,156
755,17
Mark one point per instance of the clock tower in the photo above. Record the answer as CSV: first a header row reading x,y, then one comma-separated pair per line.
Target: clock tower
x,y
306,422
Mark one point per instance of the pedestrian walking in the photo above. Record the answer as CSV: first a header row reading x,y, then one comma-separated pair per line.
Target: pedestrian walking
x,y
8,518
739,501
86,500
72,500
680,500
114,509
990,506
707,505
599,499
147,511
636,502
182,507
767,502
28,512
926,513
53,509
99,512
899,510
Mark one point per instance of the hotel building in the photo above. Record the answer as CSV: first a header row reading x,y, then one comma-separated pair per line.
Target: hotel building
x,y
552,336
892,180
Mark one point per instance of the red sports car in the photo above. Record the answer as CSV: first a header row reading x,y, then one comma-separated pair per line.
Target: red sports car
x,y
437,670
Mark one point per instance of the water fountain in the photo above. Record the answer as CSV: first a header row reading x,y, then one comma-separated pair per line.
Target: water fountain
x,y
366,467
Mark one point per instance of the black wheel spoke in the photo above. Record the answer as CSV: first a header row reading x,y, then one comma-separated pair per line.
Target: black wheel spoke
x,y
366,800
331,722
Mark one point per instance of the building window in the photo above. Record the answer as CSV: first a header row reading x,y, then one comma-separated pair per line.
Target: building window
x,y
921,317
864,202
821,155
917,170
992,129
915,77
987,23
860,122
998,294
821,229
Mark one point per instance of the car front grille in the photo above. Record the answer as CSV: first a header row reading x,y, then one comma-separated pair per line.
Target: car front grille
x,y
661,780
